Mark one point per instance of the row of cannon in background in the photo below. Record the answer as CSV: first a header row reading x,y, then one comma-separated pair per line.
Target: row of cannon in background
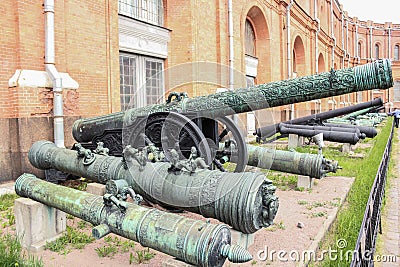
x,y
356,123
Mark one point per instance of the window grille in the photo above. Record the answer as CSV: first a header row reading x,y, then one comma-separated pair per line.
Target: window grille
x,y
150,11
141,80
376,51
250,39
396,52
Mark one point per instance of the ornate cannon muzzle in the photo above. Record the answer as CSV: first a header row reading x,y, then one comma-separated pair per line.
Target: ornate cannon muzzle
x,y
193,241
245,201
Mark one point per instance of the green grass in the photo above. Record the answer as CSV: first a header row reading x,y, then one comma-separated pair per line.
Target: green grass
x,y
348,222
106,251
71,238
7,201
11,253
141,256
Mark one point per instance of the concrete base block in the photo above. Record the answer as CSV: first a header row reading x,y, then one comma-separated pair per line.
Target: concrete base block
x,y
305,181
295,141
346,148
37,223
96,189
175,263
241,239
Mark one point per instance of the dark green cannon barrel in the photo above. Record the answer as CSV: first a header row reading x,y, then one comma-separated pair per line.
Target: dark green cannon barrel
x,y
270,130
325,129
193,241
246,201
375,75
333,136
369,132
313,165
354,114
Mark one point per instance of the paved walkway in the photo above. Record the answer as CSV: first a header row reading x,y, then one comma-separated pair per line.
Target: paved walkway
x,y
390,239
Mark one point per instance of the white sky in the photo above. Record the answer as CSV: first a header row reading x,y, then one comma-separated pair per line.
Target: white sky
x,y
376,10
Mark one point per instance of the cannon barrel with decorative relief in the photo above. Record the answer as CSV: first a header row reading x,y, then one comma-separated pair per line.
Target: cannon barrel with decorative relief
x,y
375,75
193,241
319,118
246,201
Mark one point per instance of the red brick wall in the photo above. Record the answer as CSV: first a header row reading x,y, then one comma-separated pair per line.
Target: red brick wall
x,y
86,41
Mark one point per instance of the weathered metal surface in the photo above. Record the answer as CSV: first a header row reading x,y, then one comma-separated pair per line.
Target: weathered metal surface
x,y
313,165
369,76
369,132
193,241
270,130
340,137
246,201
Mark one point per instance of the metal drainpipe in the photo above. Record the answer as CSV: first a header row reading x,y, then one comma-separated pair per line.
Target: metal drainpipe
x,y
370,48
356,44
389,42
316,46
370,43
316,35
333,37
347,41
53,73
344,50
289,52
231,54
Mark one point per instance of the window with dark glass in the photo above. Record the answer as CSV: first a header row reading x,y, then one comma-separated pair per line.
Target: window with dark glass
x,y
396,52
376,51
250,39
150,11
359,49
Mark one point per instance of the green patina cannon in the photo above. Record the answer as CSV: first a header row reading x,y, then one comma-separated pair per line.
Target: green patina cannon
x,y
313,165
193,241
196,121
246,201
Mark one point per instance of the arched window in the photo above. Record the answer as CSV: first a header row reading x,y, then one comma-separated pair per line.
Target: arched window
x,y
150,11
376,51
359,50
396,52
250,39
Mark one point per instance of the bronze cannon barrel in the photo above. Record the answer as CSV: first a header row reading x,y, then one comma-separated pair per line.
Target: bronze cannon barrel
x,y
193,241
245,201
375,75
313,165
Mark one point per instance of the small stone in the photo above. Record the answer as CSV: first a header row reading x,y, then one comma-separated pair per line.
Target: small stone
x,y
300,225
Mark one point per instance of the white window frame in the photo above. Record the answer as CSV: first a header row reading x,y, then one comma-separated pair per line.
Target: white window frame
x,y
141,79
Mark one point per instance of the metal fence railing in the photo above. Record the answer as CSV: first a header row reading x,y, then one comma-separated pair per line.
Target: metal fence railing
x,y
365,247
